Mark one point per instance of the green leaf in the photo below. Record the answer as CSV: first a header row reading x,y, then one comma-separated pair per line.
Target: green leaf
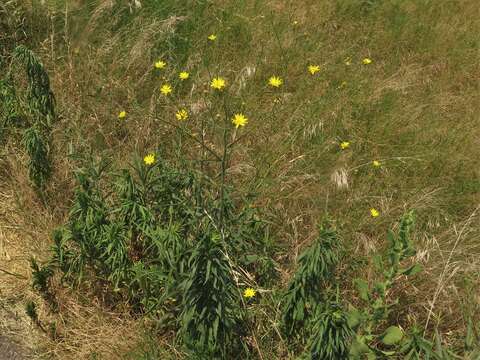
x,y
362,287
392,335
412,270
354,317
358,347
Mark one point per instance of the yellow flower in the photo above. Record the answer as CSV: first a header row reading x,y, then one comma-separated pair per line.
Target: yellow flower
x,y
212,37
160,64
239,120
374,212
344,145
183,75
149,159
275,81
295,22
218,83
166,89
313,69
348,61
122,115
376,163
367,61
181,114
249,293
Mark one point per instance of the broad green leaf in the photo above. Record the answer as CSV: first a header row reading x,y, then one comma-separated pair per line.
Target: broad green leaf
x,y
412,270
362,287
392,335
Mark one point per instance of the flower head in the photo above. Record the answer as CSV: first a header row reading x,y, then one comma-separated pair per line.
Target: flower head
x,y
348,61
181,114
313,69
374,212
149,159
166,89
239,120
218,83
366,61
184,75
275,81
249,293
376,163
122,114
212,37
344,145
160,64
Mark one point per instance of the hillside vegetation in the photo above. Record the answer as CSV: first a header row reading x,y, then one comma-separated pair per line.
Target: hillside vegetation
x,y
240,179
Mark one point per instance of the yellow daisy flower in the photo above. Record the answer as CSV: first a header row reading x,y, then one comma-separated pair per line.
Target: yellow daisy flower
x,y
249,293
239,120
184,75
218,83
160,64
149,159
313,69
374,212
367,61
275,81
166,89
181,114
122,115
376,163
212,37
344,145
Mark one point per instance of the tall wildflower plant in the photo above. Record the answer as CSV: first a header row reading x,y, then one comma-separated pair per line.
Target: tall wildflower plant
x,y
307,288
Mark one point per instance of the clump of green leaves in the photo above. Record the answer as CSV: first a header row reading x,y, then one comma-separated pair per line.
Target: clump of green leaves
x,y
149,236
331,334
315,267
211,318
34,111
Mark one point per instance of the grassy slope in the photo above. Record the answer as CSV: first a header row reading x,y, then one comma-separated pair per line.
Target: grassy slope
x,y
415,108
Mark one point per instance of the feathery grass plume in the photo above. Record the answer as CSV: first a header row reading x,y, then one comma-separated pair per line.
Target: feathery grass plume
x,y
331,334
316,266
210,322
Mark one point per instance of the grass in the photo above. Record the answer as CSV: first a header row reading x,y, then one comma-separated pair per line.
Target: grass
x,y
414,108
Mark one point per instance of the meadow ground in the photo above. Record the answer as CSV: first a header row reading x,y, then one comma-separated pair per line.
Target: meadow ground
x,y
397,83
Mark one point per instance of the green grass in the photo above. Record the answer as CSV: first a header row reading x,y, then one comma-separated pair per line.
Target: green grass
x,y
414,108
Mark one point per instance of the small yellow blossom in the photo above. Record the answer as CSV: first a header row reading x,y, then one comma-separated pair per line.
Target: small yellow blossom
x,y
166,89
181,114
295,22
218,83
239,120
374,212
249,293
212,37
348,61
344,145
122,115
184,75
275,81
313,69
149,159
367,61
160,64
376,163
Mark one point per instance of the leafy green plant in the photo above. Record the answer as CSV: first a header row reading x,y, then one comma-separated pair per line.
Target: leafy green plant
x,y
331,334
35,110
211,317
305,291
